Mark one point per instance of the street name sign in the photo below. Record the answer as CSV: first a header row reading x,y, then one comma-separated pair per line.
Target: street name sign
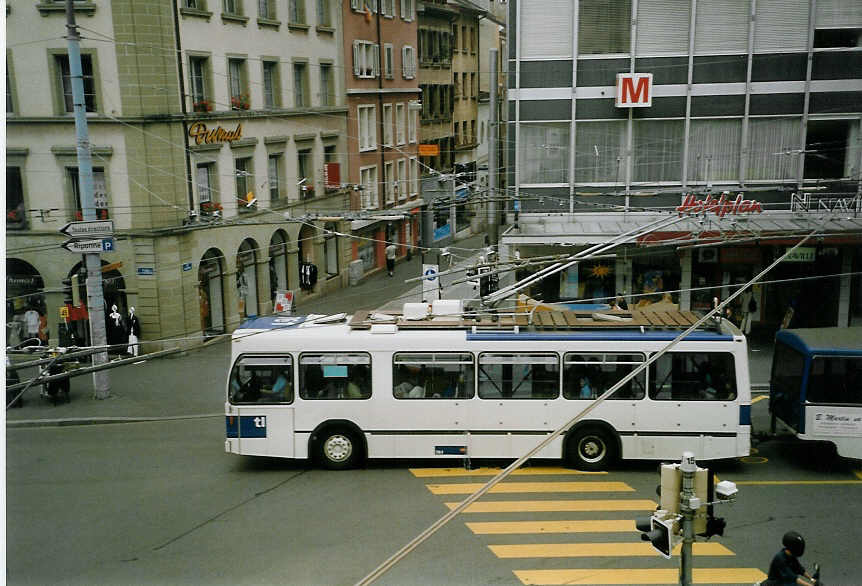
x,y
90,246
88,229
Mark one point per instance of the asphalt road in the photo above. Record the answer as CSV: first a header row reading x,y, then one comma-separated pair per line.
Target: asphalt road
x,y
160,503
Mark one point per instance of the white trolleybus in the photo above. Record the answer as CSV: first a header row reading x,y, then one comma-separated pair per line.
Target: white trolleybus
x,y
340,389
816,386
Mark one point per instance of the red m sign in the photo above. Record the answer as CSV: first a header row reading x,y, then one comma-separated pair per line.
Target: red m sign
x,y
634,90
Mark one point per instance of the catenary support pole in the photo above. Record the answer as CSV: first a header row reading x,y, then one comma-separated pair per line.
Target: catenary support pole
x,y
95,297
493,221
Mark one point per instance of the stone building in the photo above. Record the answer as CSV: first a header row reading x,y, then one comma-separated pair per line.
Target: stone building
x,y
211,125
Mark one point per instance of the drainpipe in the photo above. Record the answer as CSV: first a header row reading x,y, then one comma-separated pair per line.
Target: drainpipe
x,y
181,74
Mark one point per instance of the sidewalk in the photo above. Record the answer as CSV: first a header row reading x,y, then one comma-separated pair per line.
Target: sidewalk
x,y
191,384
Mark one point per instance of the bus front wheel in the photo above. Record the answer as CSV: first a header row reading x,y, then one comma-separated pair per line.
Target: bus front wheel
x,y
338,449
590,449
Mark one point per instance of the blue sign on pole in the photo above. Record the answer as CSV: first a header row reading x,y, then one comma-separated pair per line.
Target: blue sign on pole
x,y
107,245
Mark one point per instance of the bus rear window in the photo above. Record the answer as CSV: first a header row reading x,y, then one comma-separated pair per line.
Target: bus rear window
x,y
262,379
693,376
835,379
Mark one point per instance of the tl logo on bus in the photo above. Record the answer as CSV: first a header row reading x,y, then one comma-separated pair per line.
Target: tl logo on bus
x,y
634,90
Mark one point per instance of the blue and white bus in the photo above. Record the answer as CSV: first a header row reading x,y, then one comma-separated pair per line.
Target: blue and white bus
x,y
341,389
816,386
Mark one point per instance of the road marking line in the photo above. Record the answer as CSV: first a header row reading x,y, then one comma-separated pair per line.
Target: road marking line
x,y
558,506
760,398
520,487
640,576
587,550
789,482
521,527
537,471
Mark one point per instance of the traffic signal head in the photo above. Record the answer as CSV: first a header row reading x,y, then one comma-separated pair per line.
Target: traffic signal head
x,y
714,526
660,535
67,291
76,291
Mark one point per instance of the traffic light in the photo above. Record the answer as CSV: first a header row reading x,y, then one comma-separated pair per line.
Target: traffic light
x,y
714,525
76,289
67,291
659,532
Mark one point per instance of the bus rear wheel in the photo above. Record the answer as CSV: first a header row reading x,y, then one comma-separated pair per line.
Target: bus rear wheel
x,y
590,449
338,449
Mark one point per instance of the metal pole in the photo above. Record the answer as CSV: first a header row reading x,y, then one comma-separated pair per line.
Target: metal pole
x,y
95,297
688,468
492,150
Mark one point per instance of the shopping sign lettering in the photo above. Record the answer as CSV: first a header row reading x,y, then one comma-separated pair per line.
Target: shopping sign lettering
x,y
634,90
720,207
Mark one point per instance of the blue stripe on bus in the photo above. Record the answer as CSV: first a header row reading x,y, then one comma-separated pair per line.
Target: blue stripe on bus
x,y
745,414
245,426
627,336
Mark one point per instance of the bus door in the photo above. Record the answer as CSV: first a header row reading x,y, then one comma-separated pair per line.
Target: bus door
x,y
691,394
261,394
785,390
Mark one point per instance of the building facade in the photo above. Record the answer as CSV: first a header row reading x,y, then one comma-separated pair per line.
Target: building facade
x,y
382,88
623,107
210,125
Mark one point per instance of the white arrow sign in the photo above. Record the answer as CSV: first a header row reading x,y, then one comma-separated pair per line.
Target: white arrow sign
x,y
89,246
88,229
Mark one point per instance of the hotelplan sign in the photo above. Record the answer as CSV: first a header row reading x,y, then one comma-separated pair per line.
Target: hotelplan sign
x,y
634,90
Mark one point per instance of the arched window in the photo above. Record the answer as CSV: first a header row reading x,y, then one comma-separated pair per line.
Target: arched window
x,y
25,303
277,263
246,278
330,249
210,294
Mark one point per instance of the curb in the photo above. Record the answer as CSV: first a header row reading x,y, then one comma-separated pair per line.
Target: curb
x,y
101,420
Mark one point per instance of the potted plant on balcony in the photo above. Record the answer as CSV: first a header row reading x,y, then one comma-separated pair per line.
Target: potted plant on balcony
x,y
240,102
211,208
203,105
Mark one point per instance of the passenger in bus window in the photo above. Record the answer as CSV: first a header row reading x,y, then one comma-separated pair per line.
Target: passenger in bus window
x,y
245,386
408,387
358,386
282,388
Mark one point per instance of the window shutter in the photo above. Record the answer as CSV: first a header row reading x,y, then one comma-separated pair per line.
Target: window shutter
x,y
405,66
404,9
357,57
355,4
375,54
551,23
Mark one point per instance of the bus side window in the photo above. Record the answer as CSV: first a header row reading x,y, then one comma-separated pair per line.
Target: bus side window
x,y
586,376
693,376
433,375
335,375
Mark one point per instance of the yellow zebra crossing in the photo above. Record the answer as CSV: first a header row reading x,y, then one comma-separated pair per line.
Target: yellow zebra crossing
x,y
625,547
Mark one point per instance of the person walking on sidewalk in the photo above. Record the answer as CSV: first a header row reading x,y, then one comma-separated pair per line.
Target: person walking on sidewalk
x,y
391,251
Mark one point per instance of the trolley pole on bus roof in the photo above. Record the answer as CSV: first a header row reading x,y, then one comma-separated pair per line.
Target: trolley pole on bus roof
x,y
95,296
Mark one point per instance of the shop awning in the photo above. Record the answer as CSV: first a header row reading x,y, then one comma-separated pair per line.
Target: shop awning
x,y
584,229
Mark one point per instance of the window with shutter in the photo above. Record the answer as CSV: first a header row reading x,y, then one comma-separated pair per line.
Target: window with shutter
x,y
375,55
356,4
356,58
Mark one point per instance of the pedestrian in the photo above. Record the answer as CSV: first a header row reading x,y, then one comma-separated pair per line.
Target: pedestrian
x,y
391,251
